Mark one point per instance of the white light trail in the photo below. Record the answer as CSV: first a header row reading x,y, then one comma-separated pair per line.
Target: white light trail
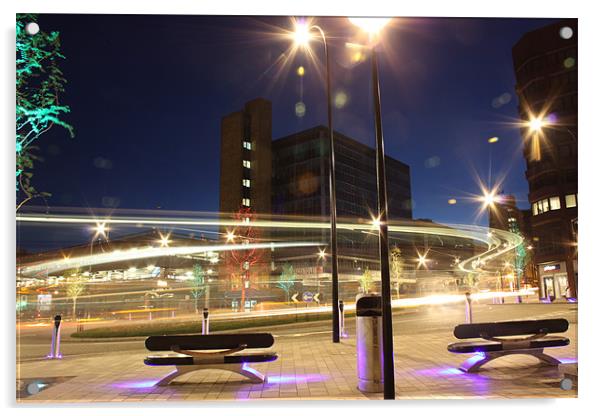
x,y
498,244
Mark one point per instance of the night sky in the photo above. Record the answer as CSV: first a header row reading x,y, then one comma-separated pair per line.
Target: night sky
x,y
147,94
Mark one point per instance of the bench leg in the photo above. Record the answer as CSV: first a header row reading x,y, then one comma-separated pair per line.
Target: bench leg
x,y
242,369
180,370
474,363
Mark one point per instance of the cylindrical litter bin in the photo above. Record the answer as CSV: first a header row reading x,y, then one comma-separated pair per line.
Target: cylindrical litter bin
x,y
369,337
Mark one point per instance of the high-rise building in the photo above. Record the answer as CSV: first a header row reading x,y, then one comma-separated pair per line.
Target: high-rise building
x,y
290,176
246,158
505,215
301,172
545,65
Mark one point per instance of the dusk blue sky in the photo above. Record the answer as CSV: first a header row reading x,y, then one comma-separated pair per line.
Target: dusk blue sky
x,y
147,94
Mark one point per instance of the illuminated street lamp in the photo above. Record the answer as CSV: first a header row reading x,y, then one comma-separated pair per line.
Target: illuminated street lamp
x,y
376,223
164,240
373,26
302,36
489,198
422,260
321,254
230,236
536,124
101,230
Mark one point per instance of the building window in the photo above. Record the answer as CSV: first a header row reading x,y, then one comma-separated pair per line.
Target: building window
x,y
571,200
246,202
246,144
246,164
246,183
535,212
554,203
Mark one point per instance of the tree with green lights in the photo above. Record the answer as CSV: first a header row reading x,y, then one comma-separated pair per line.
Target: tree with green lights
x,y
286,280
198,285
40,83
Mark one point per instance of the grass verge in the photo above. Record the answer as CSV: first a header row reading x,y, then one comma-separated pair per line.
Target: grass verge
x,y
166,327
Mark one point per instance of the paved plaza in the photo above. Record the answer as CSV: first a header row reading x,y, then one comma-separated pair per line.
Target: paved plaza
x,y
309,366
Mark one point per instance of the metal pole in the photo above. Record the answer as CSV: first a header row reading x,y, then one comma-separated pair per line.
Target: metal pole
x,y
333,199
55,346
342,315
388,362
205,328
468,308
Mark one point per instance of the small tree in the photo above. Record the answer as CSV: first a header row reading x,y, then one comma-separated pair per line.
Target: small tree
x,y
396,262
366,280
75,287
286,280
197,285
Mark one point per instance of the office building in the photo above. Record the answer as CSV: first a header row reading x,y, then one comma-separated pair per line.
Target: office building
x,y
545,64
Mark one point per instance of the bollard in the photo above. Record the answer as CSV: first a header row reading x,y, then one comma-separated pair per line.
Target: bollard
x,y
468,308
55,345
342,333
205,329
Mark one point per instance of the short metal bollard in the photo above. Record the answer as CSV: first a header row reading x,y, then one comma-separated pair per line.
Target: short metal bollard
x,y
342,332
205,328
468,308
369,333
55,345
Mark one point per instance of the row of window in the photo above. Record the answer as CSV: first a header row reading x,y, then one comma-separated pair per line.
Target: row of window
x,y
553,203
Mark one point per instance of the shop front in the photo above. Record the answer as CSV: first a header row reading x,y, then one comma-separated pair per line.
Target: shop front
x,y
554,280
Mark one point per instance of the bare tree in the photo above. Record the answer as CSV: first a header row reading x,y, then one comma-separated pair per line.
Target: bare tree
x,y
75,287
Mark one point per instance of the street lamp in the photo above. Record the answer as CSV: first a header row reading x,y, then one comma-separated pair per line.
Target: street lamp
x,y
164,240
373,26
302,37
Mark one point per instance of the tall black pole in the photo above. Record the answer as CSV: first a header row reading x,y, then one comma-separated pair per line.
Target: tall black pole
x,y
388,363
333,204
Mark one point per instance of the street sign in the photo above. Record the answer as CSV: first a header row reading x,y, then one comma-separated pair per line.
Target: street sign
x,y
308,297
294,298
317,297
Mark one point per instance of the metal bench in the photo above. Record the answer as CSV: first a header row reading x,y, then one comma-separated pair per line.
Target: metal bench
x,y
197,352
491,346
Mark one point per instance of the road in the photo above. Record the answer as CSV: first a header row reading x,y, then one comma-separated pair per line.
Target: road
x,y
33,343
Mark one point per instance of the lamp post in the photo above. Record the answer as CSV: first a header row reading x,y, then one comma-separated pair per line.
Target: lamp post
x,y
373,26
302,38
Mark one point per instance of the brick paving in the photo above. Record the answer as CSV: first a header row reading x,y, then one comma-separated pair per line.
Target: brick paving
x,y
308,368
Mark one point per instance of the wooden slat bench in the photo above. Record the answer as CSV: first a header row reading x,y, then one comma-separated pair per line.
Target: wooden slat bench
x,y
197,352
491,346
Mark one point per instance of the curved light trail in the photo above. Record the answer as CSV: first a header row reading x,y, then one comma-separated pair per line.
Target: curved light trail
x,y
144,253
498,242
